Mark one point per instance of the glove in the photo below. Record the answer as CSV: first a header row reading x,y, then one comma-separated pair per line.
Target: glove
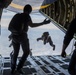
x,y
46,21
37,39
63,54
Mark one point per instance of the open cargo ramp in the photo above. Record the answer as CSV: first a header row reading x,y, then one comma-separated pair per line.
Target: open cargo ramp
x,y
39,65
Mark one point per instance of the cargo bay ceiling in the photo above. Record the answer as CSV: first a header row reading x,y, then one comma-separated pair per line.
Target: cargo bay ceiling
x,y
61,12
17,5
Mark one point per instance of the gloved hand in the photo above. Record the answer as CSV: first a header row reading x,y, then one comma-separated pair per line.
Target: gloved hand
x,y
37,39
46,21
63,54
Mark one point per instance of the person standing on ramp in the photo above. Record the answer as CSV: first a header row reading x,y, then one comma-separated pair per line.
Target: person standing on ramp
x,y
19,28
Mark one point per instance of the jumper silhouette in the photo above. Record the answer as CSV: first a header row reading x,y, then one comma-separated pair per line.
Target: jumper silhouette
x,y
68,37
19,28
46,39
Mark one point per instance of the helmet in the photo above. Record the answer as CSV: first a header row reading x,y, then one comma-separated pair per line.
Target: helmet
x,y
46,33
27,8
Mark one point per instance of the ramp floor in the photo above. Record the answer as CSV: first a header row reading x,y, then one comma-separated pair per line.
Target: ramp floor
x,y
40,65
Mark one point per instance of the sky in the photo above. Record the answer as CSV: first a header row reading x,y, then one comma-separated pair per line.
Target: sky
x,y
37,47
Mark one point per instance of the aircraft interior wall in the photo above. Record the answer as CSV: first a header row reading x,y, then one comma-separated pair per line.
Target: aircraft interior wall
x,y
61,12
